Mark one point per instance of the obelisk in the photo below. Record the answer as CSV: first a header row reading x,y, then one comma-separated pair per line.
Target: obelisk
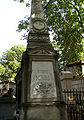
x,y
41,93
38,32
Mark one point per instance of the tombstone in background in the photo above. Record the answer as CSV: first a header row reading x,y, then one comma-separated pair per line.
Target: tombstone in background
x,y
39,92
66,78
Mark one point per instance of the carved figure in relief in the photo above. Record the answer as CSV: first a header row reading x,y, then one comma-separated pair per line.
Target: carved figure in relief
x,y
43,89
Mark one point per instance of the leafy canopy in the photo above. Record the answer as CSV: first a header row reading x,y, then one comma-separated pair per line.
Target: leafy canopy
x,y
10,61
65,19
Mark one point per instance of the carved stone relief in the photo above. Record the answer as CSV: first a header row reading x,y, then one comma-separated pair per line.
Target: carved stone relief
x,y
44,38
40,52
42,80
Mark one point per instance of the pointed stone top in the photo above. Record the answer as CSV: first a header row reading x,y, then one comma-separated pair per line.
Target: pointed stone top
x,y
37,22
38,32
36,9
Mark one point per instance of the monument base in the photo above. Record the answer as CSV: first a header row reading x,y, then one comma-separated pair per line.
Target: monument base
x,y
44,112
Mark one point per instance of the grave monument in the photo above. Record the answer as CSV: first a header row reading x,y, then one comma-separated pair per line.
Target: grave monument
x,y
39,93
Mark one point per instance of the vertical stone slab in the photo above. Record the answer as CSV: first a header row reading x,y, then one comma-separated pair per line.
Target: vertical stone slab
x,y
66,80
43,80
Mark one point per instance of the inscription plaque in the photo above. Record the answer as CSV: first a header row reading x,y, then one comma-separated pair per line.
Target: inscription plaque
x,y
42,80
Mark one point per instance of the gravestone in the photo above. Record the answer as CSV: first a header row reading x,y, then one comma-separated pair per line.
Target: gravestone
x,y
66,78
39,91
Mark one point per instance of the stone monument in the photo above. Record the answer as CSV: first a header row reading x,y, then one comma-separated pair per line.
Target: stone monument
x,y
39,93
66,78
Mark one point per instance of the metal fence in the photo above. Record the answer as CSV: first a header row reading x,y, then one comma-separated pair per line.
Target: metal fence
x,y
74,103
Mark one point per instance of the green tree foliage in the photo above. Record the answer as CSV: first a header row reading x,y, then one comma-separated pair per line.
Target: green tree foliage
x,y
21,1
65,19
10,61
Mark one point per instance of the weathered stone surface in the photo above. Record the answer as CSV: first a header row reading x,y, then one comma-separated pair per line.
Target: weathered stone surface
x,y
44,113
48,112
65,75
38,32
41,91
37,12
43,80
66,79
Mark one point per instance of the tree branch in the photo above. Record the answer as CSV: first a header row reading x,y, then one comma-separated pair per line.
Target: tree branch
x,y
78,13
47,4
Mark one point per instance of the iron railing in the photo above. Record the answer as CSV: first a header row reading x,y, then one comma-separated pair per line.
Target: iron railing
x,y
74,104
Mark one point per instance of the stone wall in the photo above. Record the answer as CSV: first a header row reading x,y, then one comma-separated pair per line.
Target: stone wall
x,y
78,83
